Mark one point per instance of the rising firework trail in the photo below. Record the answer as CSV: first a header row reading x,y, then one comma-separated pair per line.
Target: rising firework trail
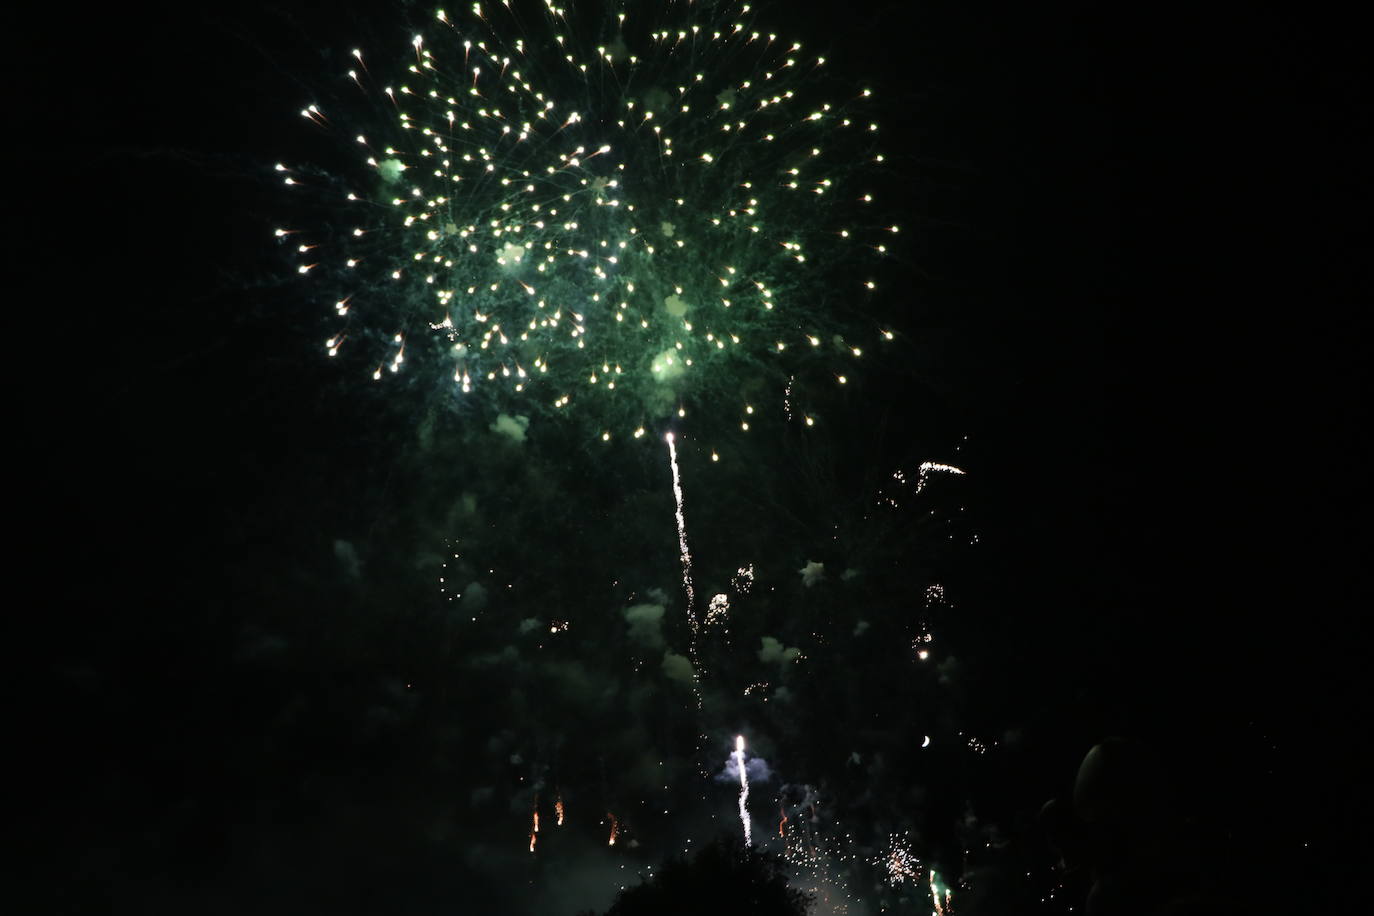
x,y
686,556
743,790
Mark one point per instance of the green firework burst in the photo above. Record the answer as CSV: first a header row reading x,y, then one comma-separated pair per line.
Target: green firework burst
x,y
611,212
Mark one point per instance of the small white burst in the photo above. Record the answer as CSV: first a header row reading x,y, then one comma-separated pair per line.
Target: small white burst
x,y
899,862
744,579
718,613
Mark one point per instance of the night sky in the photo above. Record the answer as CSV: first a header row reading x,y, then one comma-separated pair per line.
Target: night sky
x,y
291,640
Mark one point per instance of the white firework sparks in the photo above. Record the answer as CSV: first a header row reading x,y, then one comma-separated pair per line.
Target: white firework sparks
x,y
718,613
684,177
743,790
929,467
686,555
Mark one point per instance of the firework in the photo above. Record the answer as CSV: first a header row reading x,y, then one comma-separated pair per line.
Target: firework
x,y
743,789
683,552
624,204
534,824
929,467
743,579
718,611
943,907
899,862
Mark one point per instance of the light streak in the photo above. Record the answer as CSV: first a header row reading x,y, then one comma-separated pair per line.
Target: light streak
x,y
558,810
945,907
686,556
927,467
615,828
743,790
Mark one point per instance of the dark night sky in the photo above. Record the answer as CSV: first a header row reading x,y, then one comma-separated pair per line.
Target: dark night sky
x,y
1123,244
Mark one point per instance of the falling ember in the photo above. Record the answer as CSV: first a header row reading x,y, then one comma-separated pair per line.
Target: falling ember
x,y
743,790
783,812
615,828
558,810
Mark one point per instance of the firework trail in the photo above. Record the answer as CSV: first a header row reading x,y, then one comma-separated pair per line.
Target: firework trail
x,y
744,791
534,824
686,556
927,467
942,907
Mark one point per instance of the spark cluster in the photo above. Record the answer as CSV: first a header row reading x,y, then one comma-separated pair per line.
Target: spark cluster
x,y
718,612
633,205
900,864
743,580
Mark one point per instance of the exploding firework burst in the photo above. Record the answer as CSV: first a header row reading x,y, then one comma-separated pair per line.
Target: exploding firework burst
x,y
614,210
898,861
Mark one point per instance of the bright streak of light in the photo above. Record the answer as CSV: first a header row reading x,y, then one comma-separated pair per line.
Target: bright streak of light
x,y
615,828
928,466
684,552
558,810
945,907
744,791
